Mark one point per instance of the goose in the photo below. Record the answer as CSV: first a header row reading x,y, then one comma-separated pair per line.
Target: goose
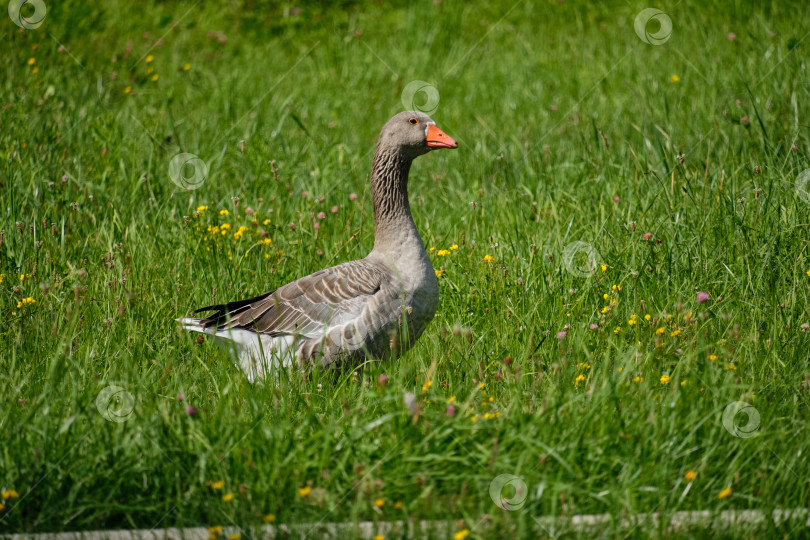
x,y
372,308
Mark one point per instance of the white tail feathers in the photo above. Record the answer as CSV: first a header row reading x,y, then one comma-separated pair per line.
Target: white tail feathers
x,y
255,354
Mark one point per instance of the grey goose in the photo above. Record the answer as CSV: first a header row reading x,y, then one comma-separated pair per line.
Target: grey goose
x,y
376,307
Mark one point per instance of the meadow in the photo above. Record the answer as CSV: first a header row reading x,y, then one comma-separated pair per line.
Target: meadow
x,y
621,241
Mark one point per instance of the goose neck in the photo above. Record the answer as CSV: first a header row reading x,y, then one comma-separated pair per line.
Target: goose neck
x,y
389,196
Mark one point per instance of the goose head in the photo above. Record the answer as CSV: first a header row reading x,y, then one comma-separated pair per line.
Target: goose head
x,y
413,133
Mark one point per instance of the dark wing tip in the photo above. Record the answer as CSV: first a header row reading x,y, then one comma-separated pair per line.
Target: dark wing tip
x,y
224,310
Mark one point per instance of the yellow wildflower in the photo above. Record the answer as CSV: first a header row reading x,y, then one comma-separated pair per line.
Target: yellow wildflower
x,y
647,317
676,333
239,232
665,379
202,208
712,357
32,61
379,537
631,322
724,494
474,419
2,277
216,529
266,222
462,534
228,497
398,505
638,379
605,309
442,253
674,78
269,518
432,250
379,503
660,331
603,267
149,58
605,296
128,89
617,329
690,475
10,494
224,212
187,67
304,491
439,273
26,301
488,258
155,77
454,247
579,379
219,484
427,385
234,536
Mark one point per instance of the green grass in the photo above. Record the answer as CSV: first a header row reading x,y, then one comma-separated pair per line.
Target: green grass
x,y
558,108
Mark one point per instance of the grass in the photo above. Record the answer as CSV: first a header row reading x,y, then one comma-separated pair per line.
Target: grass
x,y
570,129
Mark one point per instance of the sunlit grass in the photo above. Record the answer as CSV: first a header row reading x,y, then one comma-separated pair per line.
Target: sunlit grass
x,y
621,245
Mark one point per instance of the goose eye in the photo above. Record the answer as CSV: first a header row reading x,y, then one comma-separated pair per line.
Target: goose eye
x,y
413,121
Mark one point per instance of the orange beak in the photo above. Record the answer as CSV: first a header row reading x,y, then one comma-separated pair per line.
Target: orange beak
x,y
437,138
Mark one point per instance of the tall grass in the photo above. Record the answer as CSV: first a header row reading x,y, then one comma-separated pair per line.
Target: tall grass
x,y
571,130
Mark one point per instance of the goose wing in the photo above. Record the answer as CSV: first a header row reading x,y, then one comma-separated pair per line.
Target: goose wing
x,y
311,307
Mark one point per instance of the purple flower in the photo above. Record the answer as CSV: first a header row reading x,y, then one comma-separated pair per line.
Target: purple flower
x,y
744,120
191,410
562,334
179,397
732,36
594,326
451,410
321,215
382,381
647,235
353,196
702,297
